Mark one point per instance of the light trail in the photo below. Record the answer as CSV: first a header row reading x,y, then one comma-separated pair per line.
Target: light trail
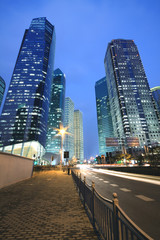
x,y
130,176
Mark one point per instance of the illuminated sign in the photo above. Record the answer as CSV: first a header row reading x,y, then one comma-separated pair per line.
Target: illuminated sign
x,y
132,141
112,142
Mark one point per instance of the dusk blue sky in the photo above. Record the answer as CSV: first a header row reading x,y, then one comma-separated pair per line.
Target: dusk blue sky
x,y
83,30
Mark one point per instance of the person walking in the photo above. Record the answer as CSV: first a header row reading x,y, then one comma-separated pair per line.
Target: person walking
x,y
68,170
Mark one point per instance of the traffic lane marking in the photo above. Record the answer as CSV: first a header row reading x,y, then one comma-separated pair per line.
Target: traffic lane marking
x,y
144,198
84,173
114,185
125,190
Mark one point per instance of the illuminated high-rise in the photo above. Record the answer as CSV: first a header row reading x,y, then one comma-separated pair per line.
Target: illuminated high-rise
x,y
156,95
131,103
69,123
2,89
104,120
78,136
23,124
56,112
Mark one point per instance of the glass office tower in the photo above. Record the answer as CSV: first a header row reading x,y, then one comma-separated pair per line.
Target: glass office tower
x,y
23,124
104,120
2,89
156,95
131,103
78,136
56,112
69,123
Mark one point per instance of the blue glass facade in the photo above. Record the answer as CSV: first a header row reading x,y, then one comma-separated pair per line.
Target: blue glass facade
x,y
132,108
2,89
69,123
104,120
78,135
156,95
25,113
56,112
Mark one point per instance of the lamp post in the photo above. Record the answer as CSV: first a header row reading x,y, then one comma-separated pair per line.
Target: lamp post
x,y
62,131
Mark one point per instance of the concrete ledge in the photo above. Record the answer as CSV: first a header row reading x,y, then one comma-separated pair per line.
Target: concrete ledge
x,y
14,168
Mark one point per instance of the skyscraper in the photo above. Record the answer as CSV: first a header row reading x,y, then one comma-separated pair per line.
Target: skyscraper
x,y
104,120
56,112
23,124
69,122
2,89
156,95
132,108
78,136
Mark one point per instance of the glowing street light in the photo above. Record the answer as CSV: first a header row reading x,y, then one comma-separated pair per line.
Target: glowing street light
x,y
62,131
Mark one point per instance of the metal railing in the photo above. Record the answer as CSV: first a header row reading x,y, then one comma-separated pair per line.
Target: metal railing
x,y
107,217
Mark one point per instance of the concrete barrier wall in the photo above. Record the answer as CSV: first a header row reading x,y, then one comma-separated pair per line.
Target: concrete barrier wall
x,y
14,168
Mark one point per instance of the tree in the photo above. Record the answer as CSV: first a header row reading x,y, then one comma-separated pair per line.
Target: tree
x,y
154,156
140,159
128,156
121,156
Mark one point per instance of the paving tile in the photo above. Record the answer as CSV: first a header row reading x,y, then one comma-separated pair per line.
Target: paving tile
x,y
47,206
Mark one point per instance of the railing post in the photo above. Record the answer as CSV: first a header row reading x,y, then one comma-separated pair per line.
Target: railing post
x,y
84,191
115,217
93,189
80,184
77,175
77,179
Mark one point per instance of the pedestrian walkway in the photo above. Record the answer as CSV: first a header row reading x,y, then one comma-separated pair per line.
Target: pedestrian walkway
x,y
47,206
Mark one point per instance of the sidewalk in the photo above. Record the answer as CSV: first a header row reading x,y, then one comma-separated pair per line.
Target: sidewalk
x,y
47,206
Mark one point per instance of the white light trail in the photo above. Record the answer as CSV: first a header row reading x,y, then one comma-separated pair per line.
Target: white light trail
x,y
138,177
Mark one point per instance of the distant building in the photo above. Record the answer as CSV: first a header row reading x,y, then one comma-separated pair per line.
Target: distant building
x,y
156,95
56,112
2,89
104,120
23,123
132,108
69,123
78,136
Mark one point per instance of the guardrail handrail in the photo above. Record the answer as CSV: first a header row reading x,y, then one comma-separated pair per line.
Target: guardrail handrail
x,y
133,223
103,198
120,226
89,186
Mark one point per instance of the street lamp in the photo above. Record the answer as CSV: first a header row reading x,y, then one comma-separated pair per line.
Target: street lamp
x,y
62,131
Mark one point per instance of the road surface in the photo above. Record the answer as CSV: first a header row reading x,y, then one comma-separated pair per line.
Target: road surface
x,y
139,197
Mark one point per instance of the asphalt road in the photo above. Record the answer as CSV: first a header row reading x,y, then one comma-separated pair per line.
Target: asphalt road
x,y
138,197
